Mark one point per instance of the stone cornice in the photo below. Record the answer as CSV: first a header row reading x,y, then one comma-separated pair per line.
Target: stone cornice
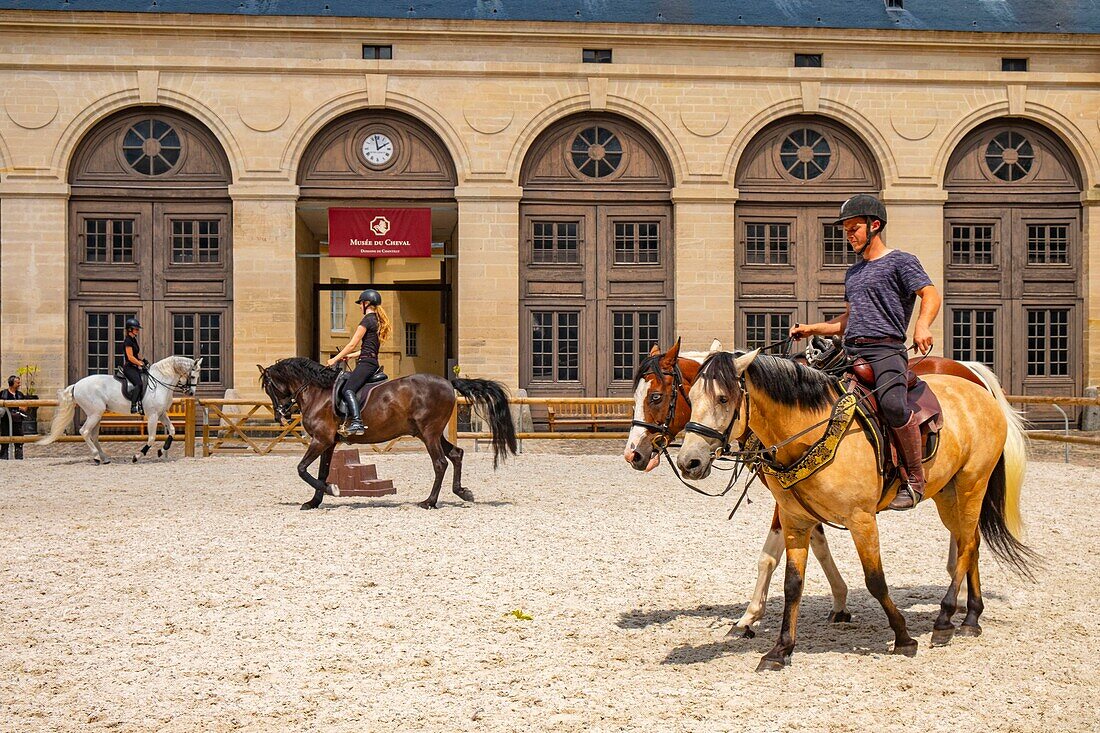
x,y
263,191
488,191
914,195
37,188
710,193
539,31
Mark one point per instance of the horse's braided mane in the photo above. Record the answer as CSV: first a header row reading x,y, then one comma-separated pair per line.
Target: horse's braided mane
x,y
782,380
301,369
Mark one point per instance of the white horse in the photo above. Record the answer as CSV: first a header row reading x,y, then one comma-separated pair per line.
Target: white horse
x,y
102,392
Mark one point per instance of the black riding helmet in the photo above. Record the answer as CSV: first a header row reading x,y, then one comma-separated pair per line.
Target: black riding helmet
x,y
370,297
864,205
132,323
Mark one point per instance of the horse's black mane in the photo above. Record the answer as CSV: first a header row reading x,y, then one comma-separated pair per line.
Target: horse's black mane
x,y
301,369
650,364
782,380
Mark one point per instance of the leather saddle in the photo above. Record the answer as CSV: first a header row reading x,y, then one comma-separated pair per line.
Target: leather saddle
x,y
338,404
121,377
829,353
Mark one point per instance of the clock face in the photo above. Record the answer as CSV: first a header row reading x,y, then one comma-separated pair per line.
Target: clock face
x,y
377,149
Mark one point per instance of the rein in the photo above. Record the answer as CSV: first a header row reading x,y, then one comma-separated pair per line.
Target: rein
x,y
180,386
768,455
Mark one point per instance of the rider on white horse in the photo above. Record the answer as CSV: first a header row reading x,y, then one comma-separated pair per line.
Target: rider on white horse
x,y
132,365
102,392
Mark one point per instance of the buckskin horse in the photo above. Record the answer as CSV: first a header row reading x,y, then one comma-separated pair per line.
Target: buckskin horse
x,y
662,409
974,477
98,393
419,405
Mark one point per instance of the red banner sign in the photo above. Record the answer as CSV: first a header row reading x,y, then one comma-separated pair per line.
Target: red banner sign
x,y
379,232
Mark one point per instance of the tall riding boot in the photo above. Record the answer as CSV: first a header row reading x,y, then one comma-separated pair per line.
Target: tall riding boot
x,y
135,406
351,404
909,445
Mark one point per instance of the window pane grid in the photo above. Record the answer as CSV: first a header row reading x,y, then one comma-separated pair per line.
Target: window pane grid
x,y
767,243
109,240
632,331
972,336
196,240
95,240
1047,244
200,334
972,244
762,329
555,346
412,347
104,340
1048,342
555,242
835,249
637,243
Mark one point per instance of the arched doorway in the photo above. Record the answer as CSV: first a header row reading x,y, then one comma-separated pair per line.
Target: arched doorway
x,y
596,256
150,235
791,257
1013,258
370,159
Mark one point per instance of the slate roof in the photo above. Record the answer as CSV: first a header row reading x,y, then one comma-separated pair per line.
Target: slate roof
x,y
1013,16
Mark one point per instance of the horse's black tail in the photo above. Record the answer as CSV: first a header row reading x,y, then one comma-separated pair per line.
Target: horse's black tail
x,y
490,399
995,530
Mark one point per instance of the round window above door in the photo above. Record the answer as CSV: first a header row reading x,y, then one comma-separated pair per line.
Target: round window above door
x,y
596,152
151,147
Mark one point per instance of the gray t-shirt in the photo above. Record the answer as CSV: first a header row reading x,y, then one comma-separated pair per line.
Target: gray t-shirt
x,y
881,294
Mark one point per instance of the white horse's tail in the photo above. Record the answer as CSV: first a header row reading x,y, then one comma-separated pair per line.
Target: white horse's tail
x,y
66,407
1015,453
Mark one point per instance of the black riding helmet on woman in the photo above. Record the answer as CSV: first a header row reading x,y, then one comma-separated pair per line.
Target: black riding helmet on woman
x,y
372,330
132,363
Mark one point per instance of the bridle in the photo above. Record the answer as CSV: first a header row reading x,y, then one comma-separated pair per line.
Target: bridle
x,y
181,386
705,431
664,430
282,409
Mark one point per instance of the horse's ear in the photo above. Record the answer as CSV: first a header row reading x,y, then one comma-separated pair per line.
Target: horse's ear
x,y
198,361
655,350
262,370
741,363
715,346
670,357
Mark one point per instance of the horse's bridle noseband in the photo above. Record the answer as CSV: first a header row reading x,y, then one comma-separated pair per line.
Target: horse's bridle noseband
x,y
723,438
664,430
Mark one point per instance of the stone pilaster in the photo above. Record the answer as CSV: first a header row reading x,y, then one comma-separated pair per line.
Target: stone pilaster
x,y
488,281
916,225
34,285
703,218
265,307
1090,238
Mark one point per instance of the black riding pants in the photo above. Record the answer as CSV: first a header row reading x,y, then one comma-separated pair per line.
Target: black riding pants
x,y
11,426
889,363
133,376
364,370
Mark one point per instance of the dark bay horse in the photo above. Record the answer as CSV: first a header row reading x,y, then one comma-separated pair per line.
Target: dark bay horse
x,y
419,405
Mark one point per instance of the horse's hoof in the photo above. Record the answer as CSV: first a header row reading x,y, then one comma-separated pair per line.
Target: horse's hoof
x,y
941,637
133,458
970,630
840,617
332,489
160,453
768,664
426,504
906,650
465,494
308,505
97,462
748,633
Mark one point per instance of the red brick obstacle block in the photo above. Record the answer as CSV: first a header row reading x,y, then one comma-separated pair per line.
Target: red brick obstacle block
x,y
355,478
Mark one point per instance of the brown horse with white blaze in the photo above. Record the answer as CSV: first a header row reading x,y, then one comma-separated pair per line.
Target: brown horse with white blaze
x,y
974,478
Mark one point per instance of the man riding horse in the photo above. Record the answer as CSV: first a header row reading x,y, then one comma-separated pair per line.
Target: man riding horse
x,y
880,291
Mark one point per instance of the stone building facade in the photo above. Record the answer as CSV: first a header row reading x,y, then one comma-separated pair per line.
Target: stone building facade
x,y
179,167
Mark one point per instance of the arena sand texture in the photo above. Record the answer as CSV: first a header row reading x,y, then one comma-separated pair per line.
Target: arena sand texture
x,y
193,595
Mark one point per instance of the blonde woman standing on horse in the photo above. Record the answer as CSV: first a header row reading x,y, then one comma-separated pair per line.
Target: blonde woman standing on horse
x,y
880,291
368,337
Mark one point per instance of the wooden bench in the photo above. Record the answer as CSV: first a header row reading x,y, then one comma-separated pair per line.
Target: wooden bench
x,y
595,415
114,423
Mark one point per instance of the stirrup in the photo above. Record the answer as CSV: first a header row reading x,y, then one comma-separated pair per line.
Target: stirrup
x,y
915,498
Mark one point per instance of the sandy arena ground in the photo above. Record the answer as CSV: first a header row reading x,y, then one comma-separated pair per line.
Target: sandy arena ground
x,y
193,595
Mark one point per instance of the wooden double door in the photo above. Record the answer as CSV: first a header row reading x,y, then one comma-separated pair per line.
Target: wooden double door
x,y
596,291
1013,296
168,264
790,269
